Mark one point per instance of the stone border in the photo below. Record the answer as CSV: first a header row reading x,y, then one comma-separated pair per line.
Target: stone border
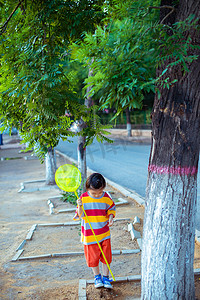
x,y
29,236
43,188
82,290
134,233
51,205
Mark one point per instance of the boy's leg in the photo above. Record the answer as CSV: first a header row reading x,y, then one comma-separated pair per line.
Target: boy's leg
x,y
105,270
106,281
95,270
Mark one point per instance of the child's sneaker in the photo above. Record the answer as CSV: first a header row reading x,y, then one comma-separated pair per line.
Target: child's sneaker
x,y
98,281
106,282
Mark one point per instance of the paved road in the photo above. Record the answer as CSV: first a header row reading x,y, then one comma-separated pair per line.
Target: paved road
x,y
125,164
122,162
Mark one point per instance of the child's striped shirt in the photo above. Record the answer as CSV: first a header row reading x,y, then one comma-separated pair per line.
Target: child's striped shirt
x,y
98,211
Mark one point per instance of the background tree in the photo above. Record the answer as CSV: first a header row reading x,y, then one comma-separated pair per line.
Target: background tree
x,y
122,64
36,90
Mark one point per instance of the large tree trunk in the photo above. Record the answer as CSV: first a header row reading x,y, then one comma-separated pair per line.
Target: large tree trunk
x,y
82,164
50,162
128,122
169,222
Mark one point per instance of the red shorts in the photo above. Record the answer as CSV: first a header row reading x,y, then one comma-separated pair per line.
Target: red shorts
x,y
93,254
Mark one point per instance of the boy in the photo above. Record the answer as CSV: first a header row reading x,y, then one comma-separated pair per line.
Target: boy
x,y
100,210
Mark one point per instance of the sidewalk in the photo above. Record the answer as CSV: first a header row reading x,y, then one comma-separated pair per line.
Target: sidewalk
x,y
138,136
47,277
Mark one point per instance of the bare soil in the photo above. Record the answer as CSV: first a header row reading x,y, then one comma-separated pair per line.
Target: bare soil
x,y
58,277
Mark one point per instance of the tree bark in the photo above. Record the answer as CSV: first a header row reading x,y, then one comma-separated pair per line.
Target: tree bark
x,y
82,164
169,221
50,163
128,122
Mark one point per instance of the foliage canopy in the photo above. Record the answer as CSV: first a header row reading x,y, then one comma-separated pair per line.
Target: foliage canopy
x,y
39,86
125,52
123,42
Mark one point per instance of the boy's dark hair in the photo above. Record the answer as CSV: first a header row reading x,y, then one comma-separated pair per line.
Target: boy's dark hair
x,y
95,181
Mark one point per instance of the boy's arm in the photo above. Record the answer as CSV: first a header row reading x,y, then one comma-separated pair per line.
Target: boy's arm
x,y
112,209
110,220
79,209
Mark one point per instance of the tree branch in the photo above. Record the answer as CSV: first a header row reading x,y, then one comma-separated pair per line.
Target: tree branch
x,y
164,6
3,28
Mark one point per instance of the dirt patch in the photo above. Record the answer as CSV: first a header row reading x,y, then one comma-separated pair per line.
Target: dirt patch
x,y
197,287
120,291
59,204
121,238
197,256
47,240
65,293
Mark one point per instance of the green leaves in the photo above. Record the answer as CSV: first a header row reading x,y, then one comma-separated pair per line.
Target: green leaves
x,y
122,63
40,88
127,51
41,77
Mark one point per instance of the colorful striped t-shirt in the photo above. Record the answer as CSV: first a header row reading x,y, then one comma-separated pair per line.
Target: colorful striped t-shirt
x,y
98,211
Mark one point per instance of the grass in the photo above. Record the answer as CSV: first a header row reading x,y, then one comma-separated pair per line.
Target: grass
x,y
69,197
